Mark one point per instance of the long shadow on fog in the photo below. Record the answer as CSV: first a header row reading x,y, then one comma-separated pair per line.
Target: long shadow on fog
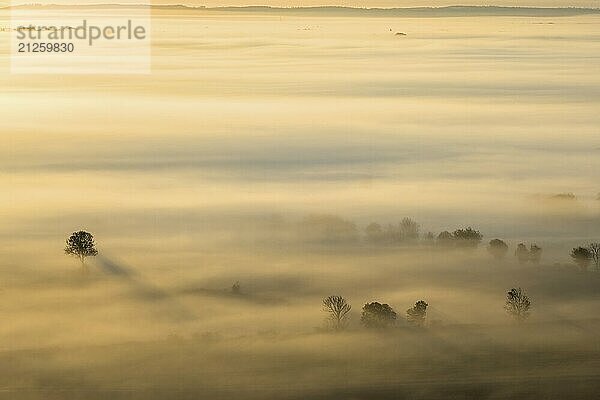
x,y
142,289
227,294
149,292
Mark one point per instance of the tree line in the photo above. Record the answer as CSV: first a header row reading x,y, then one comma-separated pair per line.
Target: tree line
x,y
323,228
81,244
376,315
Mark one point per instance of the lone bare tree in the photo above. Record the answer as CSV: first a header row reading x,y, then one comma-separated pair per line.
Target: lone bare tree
x,y
416,314
582,257
338,311
594,248
81,245
517,304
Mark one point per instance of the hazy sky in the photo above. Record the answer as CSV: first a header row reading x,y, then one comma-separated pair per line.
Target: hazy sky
x,y
360,3
396,3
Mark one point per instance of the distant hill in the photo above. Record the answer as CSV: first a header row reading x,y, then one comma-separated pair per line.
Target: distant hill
x,y
412,12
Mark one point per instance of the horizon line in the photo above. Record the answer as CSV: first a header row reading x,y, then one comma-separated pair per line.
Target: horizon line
x,y
201,7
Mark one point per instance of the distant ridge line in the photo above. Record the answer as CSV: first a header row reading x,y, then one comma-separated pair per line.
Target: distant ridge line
x,y
446,11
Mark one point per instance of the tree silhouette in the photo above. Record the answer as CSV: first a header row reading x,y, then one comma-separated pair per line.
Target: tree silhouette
x,y
517,304
445,239
236,288
338,311
429,238
497,248
522,253
468,237
377,316
392,234
416,314
81,245
374,233
582,257
594,249
409,229
535,254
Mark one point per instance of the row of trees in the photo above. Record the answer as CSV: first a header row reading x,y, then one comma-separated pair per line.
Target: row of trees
x,y
376,315
81,244
583,256
498,249
533,255
333,229
407,231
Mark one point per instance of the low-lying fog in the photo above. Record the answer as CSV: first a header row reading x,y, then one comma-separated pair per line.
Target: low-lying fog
x,y
203,174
